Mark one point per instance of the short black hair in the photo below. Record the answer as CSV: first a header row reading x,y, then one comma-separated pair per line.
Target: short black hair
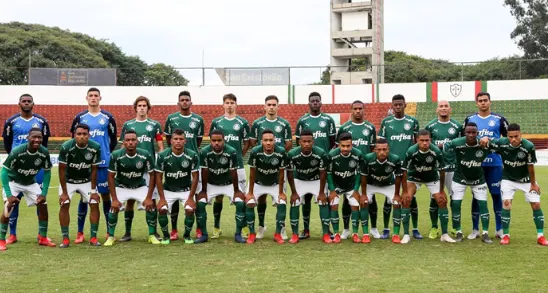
x,y
357,102
217,132
483,94
266,131
473,124
271,97
423,132
178,131
398,97
83,126
35,129
185,93
314,94
25,95
229,97
306,132
129,131
381,141
345,136
514,127
94,89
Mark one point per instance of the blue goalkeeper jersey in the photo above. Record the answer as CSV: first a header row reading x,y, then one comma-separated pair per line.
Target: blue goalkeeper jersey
x,y
492,126
16,130
102,129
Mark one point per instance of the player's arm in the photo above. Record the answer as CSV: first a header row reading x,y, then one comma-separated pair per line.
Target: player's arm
x,y
167,132
503,127
62,175
75,122
281,180
291,180
298,129
159,174
288,138
382,130
252,171
112,132
373,139
158,137
152,181
531,160
234,172
205,172
46,133
7,134
200,136
416,131
332,133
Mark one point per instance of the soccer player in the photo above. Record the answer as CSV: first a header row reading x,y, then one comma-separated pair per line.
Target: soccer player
x,y
219,177
443,129
18,175
400,130
470,155
422,163
323,129
382,174
344,179
518,156
307,174
78,161
102,129
236,132
178,168
491,125
267,163
149,134
193,126
282,134
126,180
364,136
16,130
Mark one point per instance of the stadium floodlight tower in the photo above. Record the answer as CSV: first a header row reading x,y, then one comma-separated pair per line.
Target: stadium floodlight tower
x,y
357,31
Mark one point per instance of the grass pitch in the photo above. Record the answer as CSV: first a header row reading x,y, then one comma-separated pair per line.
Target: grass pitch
x,y
310,266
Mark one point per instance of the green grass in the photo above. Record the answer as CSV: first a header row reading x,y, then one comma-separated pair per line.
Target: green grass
x,y
310,266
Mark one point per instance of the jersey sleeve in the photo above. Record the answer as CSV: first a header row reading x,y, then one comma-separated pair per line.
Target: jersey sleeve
x,y
10,161
63,155
167,127
7,134
46,133
233,160
332,128
212,126
324,161
398,169
338,134
287,134
159,166
252,159
201,128
150,163
407,161
46,164
284,164
416,127
329,164
531,156
439,161
373,139
245,130
112,164
503,126
290,163
75,122
448,146
158,134
364,166
195,163
112,132
203,159
97,158
123,132
298,128
254,133
382,131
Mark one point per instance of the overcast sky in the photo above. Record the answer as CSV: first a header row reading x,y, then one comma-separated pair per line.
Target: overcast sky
x,y
270,32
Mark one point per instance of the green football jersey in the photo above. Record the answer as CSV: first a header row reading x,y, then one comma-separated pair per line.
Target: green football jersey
x,y
236,131
192,125
147,132
78,160
23,166
400,133
280,127
343,169
267,166
307,167
364,135
442,132
130,170
516,159
381,173
177,169
322,128
218,164
469,159
423,166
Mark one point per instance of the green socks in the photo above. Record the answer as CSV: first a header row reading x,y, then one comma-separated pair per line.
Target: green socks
x,y
405,214
201,217
112,221
3,231
484,214
162,218
364,216
444,219
261,209
151,217
294,219
280,217
355,217
324,217
538,217
456,206
505,218
240,216
415,213
65,232
250,219
307,208
335,221
387,208
43,228
217,209
396,218
93,230
433,213
128,218
189,222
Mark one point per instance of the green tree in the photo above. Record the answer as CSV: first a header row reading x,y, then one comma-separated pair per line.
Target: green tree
x,y
160,74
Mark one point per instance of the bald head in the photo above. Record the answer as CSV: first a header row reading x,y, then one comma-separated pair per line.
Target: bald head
x,y
443,110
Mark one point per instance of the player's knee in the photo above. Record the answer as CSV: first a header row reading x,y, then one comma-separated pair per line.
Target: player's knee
x,y
219,199
335,207
354,203
238,199
535,206
507,204
65,206
251,203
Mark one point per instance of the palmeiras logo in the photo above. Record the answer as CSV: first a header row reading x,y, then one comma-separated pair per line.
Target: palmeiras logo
x,y
192,124
352,164
407,126
274,161
149,128
429,159
37,162
492,123
313,163
365,132
88,156
322,124
452,130
278,128
388,169
139,165
521,155
455,90
236,127
223,160
185,164
102,121
479,154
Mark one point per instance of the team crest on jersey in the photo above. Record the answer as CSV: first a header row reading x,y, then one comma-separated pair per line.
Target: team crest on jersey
x,y
102,121
185,164
88,156
407,126
35,125
479,154
149,127
452,130
139,165
322,124
274,161
429,159
313,163
352,164
236,127
522,155
388,169
223,160
492,123
278,128
192,124
37,162
365,132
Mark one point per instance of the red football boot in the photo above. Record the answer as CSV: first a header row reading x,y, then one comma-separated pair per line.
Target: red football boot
x,y
356,238
542,241
198,233
79,238
11,239
278,238
45,241
294,239
505,240
174,235
327,239
396,239
3,245
251,238
337,238
366,239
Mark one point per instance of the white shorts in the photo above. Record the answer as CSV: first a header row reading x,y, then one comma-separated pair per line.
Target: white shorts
x,y
508,189
273,191
138,194
84,189
433,187
449,182
307,187
30,192
155,192
215,190
175,197
242,180
387,191
478,191
348,195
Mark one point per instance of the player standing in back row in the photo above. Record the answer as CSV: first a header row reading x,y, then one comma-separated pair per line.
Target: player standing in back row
x,y
102,129
193,126
236,132
323,129
16,131
282,134
400,131
490,125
